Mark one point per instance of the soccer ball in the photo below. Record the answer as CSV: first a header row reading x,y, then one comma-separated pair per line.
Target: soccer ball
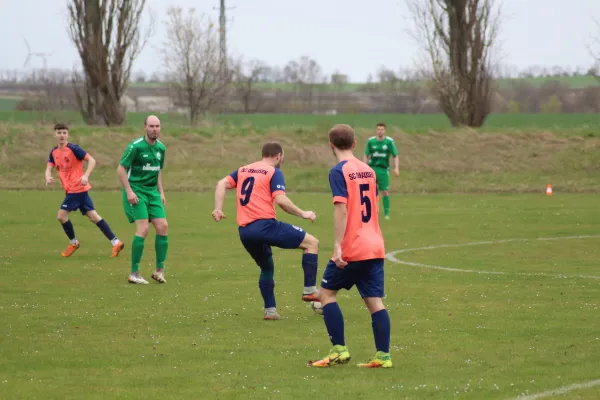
x,y
317,307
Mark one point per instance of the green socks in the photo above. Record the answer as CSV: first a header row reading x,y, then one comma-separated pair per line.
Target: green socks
x,y
137,249
161,246
386,205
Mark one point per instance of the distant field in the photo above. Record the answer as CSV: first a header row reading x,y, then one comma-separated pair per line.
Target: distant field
x,y
581,124
574,82
8,103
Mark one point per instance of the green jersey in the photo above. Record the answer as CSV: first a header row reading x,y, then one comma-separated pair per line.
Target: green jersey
x,y
379,151
143,162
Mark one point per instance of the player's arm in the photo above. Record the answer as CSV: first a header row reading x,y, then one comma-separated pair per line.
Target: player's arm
x,y
225,184
161,189
396,159
49,167
125,164
284,202
91,164
339,191
367,153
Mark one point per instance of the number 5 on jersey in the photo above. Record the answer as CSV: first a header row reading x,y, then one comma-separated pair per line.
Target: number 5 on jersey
x,y
364,200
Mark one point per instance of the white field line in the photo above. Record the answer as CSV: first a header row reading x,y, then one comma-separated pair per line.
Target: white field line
x,y
560,390
392,256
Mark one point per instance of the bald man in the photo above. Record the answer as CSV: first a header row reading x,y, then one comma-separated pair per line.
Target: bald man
x,y
140,173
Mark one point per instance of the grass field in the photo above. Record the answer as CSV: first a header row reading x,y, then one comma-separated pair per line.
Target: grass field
x,y
73,328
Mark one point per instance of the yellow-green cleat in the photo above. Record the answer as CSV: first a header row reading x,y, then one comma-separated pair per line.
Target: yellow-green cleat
x,y
381,360
337,355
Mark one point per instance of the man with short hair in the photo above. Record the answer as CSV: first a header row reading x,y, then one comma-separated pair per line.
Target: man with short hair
x,y
68,159
260,186
358,252
377,154
140,173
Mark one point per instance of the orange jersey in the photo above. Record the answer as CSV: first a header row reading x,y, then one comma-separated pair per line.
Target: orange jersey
x,y
69,164
256,185
353,183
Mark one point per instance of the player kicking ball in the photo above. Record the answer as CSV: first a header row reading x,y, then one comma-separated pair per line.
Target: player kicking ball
x,y
358,252
259,187
68,159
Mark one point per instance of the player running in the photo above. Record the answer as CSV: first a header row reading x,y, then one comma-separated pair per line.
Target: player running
x,y
377,154
358,252
140,173
68,159
259,187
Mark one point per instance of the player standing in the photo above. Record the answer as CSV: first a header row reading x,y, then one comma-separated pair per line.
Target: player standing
x,y
140,173
358,252
377,154
260,186
68,159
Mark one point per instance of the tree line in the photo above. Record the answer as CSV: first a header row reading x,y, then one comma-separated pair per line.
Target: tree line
x,y
457,39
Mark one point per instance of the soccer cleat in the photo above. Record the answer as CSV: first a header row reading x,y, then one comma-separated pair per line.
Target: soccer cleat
x,y
337,355
308,297
70,249
159,276
137,279
387,217
381,360
271,316
117,249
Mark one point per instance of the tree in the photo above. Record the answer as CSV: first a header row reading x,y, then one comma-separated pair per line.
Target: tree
x,y
458,37
247,75
191,58
305,73
595,53
108,38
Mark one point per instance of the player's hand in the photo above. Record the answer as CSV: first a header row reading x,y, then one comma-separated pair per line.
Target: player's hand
x,y
132,198
49,180
84,180
163,199
218,215
309,215
337,257
397,172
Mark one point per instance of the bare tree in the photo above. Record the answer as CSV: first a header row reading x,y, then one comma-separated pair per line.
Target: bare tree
x,y
108,38
305,73
191,58
595,52
458,37
247,75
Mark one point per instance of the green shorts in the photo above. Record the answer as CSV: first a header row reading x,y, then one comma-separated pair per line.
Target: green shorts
x,y
383,178
149,206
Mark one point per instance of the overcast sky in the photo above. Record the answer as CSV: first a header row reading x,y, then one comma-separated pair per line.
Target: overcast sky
x,y
354,36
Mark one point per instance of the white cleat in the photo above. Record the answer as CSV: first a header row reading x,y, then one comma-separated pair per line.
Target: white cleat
x,y
137,279
159,277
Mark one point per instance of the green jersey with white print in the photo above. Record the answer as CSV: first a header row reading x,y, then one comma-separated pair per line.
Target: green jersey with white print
x,y
379,151
143,162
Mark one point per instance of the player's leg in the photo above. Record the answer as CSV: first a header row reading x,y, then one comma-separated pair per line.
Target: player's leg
x,y
158,217
370,285
383,184
87,208
138,214
262,255
70,203
334,279
287,236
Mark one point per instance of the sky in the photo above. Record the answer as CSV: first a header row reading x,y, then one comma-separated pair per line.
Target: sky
x,y
356,37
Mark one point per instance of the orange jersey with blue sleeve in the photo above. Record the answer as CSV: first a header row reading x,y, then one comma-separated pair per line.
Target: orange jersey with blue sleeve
x,y
256,185
354,183
69,164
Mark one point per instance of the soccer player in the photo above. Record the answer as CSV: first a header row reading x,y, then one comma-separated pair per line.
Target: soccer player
x,y
68,159
358,252
377,155
260,186
140,173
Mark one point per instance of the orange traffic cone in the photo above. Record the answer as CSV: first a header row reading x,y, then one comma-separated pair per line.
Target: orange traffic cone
x,y
549,190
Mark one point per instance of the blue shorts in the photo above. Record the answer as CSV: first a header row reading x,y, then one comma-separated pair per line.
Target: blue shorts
x,y
258,237
81,201
367,275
